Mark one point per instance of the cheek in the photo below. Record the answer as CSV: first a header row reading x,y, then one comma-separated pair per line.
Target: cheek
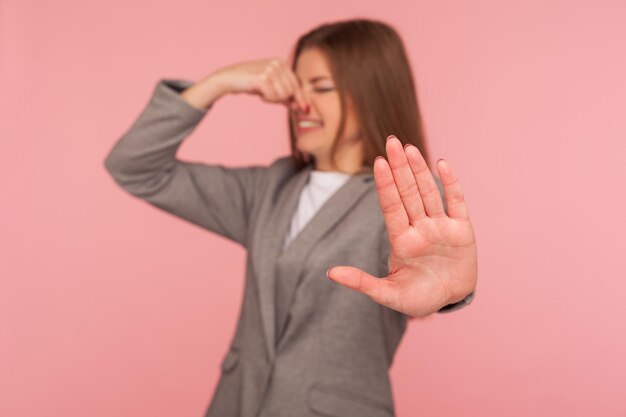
x,y
329,109
331,125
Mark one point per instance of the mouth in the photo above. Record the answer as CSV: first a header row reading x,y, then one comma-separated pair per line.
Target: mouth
x,y
303,126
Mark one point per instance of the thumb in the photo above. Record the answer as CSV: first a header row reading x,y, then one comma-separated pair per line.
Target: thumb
x,y
378,289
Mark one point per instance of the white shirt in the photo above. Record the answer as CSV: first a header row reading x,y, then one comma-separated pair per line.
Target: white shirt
x,y
320,186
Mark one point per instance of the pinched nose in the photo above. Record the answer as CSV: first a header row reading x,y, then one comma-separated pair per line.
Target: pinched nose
x,y
296,108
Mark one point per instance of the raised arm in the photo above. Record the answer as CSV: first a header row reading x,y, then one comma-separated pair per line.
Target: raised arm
x,y
143,161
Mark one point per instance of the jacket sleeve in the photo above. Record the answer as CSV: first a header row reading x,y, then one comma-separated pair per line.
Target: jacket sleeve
x,y
143,162
385,251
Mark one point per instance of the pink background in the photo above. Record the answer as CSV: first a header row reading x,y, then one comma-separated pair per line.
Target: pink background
x,y
109,307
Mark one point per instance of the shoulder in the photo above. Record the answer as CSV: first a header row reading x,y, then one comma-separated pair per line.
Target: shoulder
x,y
283,166
282,162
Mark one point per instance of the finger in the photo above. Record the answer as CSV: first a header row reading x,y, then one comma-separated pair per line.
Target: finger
x,y
396,219
273,77
297,91
266,87
404,180
380,290
455,199
267,91
279,87
431,197
286,83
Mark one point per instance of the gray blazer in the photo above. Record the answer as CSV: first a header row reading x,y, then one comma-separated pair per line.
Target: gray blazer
x,y
304,346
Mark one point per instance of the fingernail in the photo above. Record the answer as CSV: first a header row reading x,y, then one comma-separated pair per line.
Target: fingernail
x,y
407,145
327,276
390,136
377,158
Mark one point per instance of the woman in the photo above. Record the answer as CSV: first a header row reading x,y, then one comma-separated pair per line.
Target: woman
x,y
304,345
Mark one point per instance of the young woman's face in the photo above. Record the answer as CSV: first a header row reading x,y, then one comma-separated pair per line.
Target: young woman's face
x,y
316,130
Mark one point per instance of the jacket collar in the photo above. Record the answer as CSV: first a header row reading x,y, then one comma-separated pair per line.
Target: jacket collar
x,y
269,241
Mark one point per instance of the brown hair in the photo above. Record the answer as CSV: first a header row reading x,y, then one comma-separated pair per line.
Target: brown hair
x,y
369,64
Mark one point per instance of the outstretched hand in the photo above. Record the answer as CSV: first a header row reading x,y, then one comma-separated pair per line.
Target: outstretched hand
x,y
433,259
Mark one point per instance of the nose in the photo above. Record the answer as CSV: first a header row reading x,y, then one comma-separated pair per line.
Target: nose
x,y
295,107
306,97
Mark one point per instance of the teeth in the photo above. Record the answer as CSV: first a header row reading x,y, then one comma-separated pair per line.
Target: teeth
x,y
308,123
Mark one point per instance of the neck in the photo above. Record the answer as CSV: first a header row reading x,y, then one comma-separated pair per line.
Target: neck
x,y
348,160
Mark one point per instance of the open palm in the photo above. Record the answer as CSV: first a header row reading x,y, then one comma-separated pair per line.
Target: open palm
x,y
433,259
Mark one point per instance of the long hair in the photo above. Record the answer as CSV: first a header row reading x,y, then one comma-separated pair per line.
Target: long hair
x,y
369,64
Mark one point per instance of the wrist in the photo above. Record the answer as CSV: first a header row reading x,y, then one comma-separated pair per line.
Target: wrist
x,y
205,92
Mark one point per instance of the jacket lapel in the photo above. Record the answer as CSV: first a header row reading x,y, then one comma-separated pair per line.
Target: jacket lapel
x,y
268,243
272,260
